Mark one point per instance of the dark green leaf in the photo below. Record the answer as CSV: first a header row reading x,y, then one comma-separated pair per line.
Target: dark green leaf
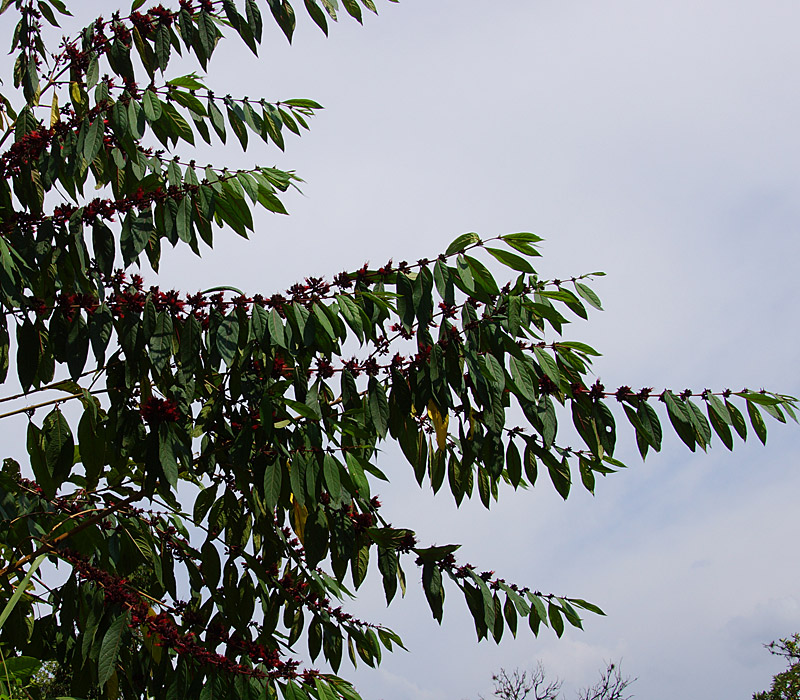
x,y
556,621
515,262
378,406
109,649
737,420
757,421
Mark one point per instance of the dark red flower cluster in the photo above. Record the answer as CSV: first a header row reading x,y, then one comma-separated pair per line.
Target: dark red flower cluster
x,y
324,368
407,543
315,288
24,151
281,369
162,626
78,60
146,23
361,521
624,392
121,33
156,411
300,592
597,391
423,357
370,367
448,310
353,366
70,303
547,385
167,301
126,302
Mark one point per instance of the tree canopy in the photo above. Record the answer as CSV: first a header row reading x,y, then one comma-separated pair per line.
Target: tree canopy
x,y
199,494
786,684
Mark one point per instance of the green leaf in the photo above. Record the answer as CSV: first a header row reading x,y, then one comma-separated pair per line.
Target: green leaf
x,y
460,244
760,398
273,479
434,591
303,104
205,500
304,410
378,406
591,607
701,426
522,237
330,468
538,609
189,81
136,229
217,120
109,649
556,621
92,445
151,105
206,32
513,464
715,404
93,140
103,245
524,380
483,278
59,446
324,691
587,293
680,419
228,338
188,100
515,262
548,365
353,9
317,15
169,449
737,420
352,315
21,668
284,16
212,567
161,342
757,421
580,347
276,331
4,349
720,426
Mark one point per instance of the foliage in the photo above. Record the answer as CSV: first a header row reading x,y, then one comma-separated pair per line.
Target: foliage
x,y
210,503
786,684
519,685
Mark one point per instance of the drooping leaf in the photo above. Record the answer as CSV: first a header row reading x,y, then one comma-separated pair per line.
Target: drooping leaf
x,y
109,649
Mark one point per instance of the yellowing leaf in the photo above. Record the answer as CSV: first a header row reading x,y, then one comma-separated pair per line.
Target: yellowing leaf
x,y
112,687
151,641
75,92
299,517
440,424
54,112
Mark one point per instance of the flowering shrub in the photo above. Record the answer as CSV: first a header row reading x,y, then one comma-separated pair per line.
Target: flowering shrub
x,y
215,496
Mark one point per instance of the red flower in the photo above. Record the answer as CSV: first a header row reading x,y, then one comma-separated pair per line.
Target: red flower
x,y
156,411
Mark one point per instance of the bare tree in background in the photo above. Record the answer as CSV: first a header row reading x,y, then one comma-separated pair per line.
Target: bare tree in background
x,y
533,685
611,686
518,685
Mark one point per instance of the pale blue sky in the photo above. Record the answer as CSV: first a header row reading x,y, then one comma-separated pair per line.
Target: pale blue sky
x,y
657,142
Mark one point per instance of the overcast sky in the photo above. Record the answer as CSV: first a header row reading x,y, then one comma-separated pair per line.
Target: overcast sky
x,y
655,141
